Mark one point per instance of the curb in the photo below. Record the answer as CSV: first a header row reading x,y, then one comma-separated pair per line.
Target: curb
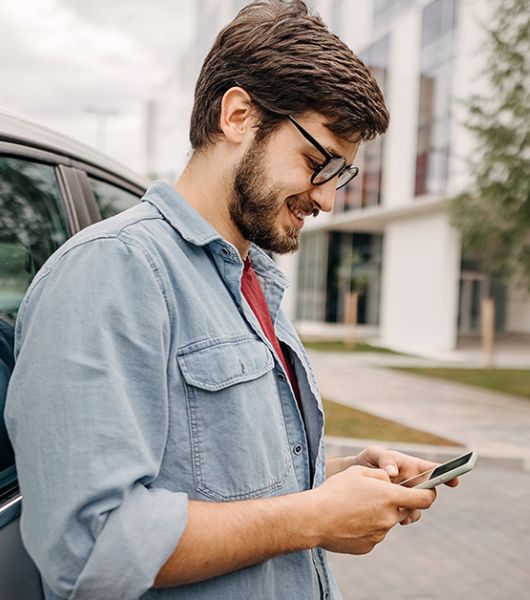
x,y
337,446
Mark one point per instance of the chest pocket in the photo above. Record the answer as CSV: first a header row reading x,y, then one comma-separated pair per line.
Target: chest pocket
x,y
239,441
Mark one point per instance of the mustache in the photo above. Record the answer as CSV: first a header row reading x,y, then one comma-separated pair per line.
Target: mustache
x,y
306,207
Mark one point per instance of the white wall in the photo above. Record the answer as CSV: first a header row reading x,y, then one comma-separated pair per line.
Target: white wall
x,y
421,263
288,263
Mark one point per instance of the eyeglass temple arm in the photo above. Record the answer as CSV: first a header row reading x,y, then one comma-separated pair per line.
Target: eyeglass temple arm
x,y
310,138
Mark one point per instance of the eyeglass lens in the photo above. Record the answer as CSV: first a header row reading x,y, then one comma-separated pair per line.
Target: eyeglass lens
x,y
333,168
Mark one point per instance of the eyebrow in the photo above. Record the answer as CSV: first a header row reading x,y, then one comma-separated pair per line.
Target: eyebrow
x,y
330,149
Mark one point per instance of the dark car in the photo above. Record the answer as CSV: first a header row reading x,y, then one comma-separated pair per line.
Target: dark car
x,y
50,188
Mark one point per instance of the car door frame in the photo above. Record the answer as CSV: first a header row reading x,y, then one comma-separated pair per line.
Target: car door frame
x,y
80,209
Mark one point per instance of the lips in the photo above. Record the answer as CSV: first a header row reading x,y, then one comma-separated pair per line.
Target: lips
x,y
302,209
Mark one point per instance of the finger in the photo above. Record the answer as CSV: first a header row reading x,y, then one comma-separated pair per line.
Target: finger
x,y
373,473
453,483
415,516
412,498
384,459
406,517
403,516
389,466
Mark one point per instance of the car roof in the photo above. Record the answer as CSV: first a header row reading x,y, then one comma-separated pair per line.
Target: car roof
x,y
15,128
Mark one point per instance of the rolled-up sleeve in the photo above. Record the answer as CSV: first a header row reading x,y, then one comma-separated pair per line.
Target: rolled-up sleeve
x,y
87,412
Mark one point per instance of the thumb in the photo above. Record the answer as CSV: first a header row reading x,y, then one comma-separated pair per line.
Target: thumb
x,y
391,469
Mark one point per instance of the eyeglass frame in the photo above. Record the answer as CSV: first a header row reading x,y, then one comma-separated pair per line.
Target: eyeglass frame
x,y
329,157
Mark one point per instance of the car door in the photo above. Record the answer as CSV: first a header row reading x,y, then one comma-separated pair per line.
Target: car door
x,y
44,198
34,221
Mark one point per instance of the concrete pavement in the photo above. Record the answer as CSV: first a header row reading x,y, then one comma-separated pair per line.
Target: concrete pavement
x,y
474,543
495,425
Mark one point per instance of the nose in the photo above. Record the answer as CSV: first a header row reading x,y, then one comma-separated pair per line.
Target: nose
x,y
324,195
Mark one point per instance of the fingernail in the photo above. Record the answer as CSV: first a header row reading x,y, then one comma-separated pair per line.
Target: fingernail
x,y
391,470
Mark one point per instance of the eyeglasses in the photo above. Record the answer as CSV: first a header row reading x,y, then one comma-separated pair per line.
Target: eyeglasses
x,y
332,167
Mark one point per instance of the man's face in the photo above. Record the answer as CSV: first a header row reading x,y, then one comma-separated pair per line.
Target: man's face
x,y
272,192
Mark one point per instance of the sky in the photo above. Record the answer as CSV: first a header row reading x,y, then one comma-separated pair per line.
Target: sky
x,y
61,61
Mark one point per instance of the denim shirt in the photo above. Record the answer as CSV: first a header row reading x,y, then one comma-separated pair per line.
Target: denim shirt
x,y
142,380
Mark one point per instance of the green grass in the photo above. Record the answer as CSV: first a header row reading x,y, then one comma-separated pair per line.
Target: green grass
x,y
341,346
509,381
344,421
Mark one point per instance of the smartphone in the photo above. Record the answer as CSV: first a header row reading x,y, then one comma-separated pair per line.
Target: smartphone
x,y
441,474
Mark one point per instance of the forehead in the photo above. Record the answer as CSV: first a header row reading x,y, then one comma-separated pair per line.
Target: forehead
x,y
317,125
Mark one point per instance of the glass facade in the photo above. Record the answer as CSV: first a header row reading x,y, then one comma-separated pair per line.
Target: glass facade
x,y
321,292
312,272
354,264
322,288
474,286
439,21
366,189
386,10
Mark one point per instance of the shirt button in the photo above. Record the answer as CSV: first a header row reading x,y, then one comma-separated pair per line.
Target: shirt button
x,y
297,449
326,595
225,251
281,376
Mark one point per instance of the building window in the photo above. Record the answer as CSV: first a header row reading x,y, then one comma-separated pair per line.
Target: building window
x,y
439,20
363,252
385,11
365,190
312,272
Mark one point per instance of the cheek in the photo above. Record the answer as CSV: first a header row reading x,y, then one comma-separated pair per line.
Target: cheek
x,y
289,178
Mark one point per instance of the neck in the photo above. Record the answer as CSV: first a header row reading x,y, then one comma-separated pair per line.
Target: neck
x,y
208,189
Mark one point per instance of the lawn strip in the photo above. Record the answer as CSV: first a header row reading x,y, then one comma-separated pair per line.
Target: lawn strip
x,y
506,381
341,346
345,421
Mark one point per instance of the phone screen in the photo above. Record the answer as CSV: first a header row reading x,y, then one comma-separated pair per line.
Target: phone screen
x,y
449,466
437,471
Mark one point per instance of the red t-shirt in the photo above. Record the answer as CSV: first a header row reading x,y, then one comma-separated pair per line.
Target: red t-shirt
x,y
253,293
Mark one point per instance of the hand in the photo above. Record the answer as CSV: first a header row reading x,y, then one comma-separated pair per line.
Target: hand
x,y
399,467
358,506
337,464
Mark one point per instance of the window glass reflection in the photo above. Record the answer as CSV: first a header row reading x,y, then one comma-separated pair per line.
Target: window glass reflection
x,y
32,226
111,199
439,20
366,189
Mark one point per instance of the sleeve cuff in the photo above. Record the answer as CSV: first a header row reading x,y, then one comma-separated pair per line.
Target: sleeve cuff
x,y
134,543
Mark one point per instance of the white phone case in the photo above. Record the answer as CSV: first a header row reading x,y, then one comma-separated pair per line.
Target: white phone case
x,y
465,468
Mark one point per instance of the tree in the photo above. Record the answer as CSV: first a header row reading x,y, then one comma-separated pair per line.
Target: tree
x,y
354,275
493,214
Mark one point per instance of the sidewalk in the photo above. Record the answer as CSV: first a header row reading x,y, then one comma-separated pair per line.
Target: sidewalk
x,y
473,543
497,426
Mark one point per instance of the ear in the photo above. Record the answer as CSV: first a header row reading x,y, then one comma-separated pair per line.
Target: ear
x,y
237,115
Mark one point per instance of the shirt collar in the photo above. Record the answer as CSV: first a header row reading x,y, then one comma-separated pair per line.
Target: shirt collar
x,y
180,214
195,229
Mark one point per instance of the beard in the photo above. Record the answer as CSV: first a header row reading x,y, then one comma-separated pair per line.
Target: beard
x,y
255,208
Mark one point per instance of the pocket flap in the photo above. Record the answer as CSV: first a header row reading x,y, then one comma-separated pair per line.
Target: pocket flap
x,y
224,362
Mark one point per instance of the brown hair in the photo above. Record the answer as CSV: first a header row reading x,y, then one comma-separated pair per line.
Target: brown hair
x,y
288,62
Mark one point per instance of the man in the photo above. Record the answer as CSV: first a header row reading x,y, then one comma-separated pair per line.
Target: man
x,y
165,418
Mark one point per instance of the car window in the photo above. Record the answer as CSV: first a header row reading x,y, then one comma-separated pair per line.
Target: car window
x,y
110,198
32,226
